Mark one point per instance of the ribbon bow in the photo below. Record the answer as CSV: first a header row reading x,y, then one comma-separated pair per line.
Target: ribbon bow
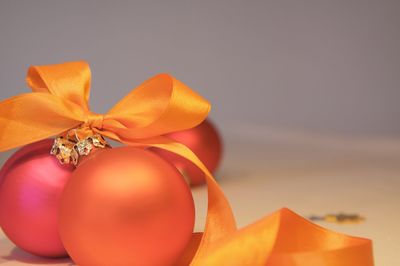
x,y
162,104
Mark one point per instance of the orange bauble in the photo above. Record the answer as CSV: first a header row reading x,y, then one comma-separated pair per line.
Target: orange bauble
x,y
205,142
126,206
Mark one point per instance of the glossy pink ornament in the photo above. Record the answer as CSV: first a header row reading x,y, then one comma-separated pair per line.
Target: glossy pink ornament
x,y
31,184
205,141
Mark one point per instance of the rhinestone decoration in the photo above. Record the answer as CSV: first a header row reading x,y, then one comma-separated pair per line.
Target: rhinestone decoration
x,y
68,149
83,147
64,150
98,141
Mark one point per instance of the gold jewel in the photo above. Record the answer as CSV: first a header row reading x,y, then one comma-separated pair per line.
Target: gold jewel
x,y
70,147
64,150
340,218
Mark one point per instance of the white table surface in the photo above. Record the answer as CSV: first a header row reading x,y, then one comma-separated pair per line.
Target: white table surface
x,y
311,174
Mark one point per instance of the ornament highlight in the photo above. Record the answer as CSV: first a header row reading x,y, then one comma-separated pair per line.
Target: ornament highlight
x,y
126,206
31,184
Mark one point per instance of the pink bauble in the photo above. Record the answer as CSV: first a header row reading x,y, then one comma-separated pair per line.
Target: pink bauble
x,y
31,182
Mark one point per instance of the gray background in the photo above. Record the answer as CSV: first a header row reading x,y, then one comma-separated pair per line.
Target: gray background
x,y
327,66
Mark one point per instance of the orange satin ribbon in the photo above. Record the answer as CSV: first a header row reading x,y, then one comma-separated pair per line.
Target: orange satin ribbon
x,y
59,102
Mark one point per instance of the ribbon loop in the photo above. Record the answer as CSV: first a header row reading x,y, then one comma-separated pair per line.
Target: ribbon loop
x,y
158,106
69,81
31,117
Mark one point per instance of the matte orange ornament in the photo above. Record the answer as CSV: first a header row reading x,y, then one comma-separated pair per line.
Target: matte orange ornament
x,y
126,206
205,141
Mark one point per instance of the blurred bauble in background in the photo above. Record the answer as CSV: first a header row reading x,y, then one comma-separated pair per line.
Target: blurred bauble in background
x,y
126,206
205,141
32,181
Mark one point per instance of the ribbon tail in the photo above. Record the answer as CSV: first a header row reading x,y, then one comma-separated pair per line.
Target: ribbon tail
x,y
252,245
190,250
286,239
31,117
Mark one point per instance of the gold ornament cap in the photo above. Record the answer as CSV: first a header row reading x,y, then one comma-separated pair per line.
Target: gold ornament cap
x,y
69,148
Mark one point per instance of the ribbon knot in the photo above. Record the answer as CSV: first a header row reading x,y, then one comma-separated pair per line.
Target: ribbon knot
x,y
94,120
